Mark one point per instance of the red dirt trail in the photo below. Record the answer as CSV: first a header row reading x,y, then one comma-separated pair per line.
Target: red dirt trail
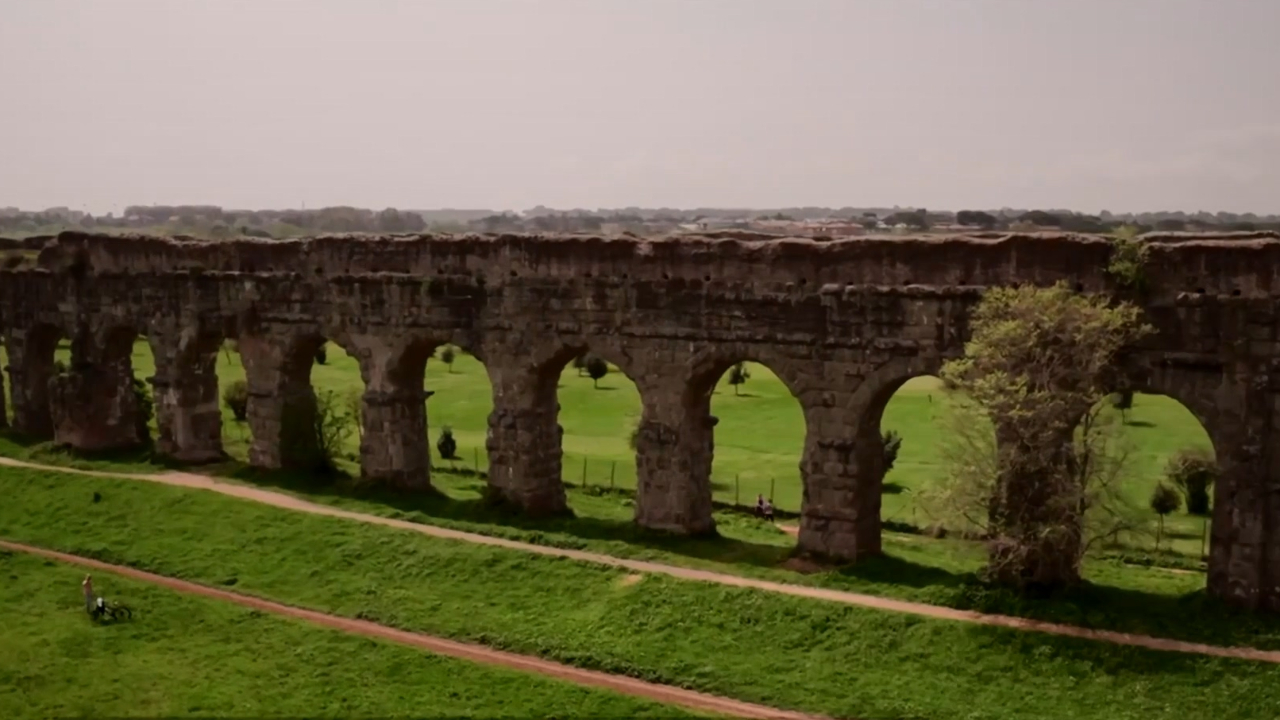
x,y
289,502
693,700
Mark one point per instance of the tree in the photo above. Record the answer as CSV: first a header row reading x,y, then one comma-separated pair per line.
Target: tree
x,y
596,369
892,443
1193,472
580,363
236,398
738,374
1032,460
1164,500
1040,218
321,355
978,218
446,445
1123,401
447,356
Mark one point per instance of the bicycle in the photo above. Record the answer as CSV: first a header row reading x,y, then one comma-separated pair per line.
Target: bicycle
x,y
111,611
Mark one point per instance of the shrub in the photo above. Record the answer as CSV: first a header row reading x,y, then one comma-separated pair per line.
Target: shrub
x,y
236,397
1164,500
596,369
447,356
1193,472
322,355
146,409
446,445
892,443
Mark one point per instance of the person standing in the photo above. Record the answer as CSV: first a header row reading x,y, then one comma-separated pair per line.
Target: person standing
x,y
87,588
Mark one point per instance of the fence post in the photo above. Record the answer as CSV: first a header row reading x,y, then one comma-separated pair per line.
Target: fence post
x,y
736,489
771,495
584,471
613,469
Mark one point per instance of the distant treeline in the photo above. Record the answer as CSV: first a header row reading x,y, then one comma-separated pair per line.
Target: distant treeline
x,y
209,221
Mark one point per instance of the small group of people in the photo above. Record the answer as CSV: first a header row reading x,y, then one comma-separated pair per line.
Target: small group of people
x,y
764,508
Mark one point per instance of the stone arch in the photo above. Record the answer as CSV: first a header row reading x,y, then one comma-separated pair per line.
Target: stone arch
x,y
94,405
282,401
708,369
30,353
525,437
395,447
844,463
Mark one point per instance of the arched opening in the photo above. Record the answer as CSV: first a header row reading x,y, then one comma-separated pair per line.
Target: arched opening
x,y
1167,476
96,399
461,399
455,396
757,440
911,416
597,409
303,404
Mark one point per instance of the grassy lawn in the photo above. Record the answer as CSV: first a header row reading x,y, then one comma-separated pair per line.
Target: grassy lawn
x,y
184,656
758,440
763,647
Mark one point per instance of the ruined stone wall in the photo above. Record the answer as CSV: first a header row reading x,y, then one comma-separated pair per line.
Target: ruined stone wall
x,y
843,324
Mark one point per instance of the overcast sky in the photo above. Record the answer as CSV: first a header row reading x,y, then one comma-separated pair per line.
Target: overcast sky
x,y
1086,104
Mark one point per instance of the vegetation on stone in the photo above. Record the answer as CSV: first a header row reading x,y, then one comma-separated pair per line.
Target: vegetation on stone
x,y
1032,458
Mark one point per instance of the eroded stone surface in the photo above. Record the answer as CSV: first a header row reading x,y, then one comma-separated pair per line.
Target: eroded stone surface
x,y
842,323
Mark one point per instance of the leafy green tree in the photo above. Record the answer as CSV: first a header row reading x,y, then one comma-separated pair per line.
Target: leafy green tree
x,y
1031,457
1194,473
597,368
447,356
446,445
1164,500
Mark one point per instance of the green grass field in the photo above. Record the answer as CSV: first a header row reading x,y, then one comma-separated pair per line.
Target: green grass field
x,y
768,648
189,656
758,441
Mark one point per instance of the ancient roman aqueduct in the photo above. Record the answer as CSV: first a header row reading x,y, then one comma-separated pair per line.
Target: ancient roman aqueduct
x,y
843,323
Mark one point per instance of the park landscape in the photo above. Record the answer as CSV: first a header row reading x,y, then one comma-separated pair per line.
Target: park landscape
x,y
668,630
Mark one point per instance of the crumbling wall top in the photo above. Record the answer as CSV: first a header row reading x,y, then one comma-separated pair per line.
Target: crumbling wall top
x,y
1231,263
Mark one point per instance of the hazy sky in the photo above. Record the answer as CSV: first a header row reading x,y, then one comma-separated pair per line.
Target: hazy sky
x,y
1087,104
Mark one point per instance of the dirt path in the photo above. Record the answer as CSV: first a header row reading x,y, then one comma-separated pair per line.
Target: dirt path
x,y
290,502
701,702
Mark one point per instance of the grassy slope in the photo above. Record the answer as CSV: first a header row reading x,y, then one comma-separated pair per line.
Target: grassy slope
x,y
758,646
183,655
758,440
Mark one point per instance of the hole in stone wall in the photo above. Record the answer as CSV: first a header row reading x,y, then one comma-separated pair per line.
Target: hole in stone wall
x,y
598,410
515,274
706,278
909,419
457,415
1199,291
1079,287
1156,439
1235,292
666,276
757,439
